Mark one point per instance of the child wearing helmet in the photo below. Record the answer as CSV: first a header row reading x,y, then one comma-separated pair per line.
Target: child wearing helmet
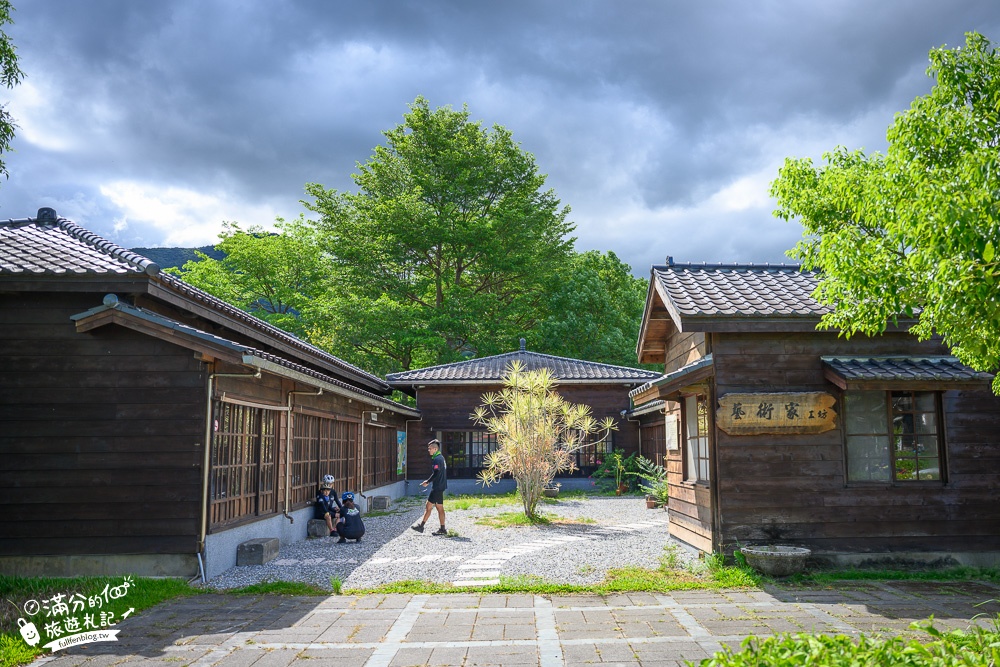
x,y
327,504
349,526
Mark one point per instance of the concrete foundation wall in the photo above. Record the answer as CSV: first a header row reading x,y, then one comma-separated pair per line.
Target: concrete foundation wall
x,y
99,565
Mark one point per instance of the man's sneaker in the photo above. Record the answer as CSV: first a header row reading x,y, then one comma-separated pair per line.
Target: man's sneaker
x,y
440,531
341,540
419,527
358,540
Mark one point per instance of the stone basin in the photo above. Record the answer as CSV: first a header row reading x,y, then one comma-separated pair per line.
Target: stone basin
x,y
776,560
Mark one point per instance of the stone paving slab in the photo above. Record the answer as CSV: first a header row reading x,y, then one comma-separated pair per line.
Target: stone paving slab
x,y
467,629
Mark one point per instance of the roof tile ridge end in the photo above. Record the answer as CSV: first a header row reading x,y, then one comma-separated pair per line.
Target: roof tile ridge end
x,y
102,244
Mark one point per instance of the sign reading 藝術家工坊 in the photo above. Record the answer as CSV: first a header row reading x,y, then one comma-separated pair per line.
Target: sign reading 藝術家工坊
x,y
782,413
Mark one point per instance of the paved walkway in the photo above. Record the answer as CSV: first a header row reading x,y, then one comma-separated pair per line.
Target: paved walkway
x,y
401,630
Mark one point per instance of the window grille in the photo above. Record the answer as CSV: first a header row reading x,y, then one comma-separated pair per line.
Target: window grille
x,y
242,479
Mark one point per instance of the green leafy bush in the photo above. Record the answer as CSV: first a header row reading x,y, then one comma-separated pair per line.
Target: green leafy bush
x,y
616,470
957,648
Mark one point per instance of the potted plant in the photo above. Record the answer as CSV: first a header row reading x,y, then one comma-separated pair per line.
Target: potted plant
x,y
551,490
654,480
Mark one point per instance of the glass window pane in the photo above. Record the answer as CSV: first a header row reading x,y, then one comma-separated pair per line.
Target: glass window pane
x,y
868,458
925,423
928,468
691,441
902,401
902,423
925,401
865,412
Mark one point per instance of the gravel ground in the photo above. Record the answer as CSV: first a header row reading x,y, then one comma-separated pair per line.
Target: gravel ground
x,y
390,551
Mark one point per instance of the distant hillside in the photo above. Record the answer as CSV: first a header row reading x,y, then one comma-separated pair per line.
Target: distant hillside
x,y
171,257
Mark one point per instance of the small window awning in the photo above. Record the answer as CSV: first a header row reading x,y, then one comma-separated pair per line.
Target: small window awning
x,y
914,373
669,385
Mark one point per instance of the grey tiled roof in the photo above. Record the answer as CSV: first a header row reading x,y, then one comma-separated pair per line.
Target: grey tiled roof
x,y
681,372
63,248
493,369
739,290
905,369
187,330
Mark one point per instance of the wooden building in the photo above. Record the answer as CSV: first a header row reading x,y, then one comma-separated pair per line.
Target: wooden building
x,y
863,449
448,394
148,427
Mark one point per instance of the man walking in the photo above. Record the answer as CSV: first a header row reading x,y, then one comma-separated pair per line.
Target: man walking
x,y
439,482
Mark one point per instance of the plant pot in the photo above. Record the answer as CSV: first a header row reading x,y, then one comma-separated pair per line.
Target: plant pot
x,y
551,492
651,503
775,560
622,489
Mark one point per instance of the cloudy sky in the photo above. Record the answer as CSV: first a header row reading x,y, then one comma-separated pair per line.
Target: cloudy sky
x,y
660,123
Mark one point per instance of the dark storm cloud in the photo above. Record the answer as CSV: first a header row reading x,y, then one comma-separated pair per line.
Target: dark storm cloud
x,y
659,123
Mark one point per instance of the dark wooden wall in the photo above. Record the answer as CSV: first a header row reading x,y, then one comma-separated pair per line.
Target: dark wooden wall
x,y
793,488
100,434
449,408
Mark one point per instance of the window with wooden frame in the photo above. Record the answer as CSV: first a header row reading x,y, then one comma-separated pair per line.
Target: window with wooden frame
x,y
380,456
321,446
653,442
242,477
893,436
696,426
465,452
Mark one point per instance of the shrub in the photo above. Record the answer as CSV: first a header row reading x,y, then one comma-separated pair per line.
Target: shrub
x,y
977,646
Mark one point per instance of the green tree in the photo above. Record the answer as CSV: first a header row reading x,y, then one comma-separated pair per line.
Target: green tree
x,y
914,232
450,236
10,76
279,277
595,312
537,431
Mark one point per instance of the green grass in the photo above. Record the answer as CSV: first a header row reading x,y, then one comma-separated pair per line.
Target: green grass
x,y
950,574
486,501
279,588
512,519
142,594
473,501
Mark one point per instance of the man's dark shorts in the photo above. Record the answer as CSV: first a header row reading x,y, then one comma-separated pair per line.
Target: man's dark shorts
x,y
436,497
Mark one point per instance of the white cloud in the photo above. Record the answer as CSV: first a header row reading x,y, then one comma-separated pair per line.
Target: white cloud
x,y
184,217
39,121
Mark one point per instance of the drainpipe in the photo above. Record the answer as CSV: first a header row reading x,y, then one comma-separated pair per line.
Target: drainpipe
x,y
288,450
207,461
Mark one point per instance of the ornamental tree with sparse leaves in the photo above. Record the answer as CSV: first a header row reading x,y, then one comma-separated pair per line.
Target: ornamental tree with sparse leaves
x,y
537,431
914,232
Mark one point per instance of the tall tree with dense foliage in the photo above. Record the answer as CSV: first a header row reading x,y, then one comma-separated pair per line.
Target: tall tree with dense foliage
x,y
595,311
451,243
537,431
914,232
281,277
10,76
